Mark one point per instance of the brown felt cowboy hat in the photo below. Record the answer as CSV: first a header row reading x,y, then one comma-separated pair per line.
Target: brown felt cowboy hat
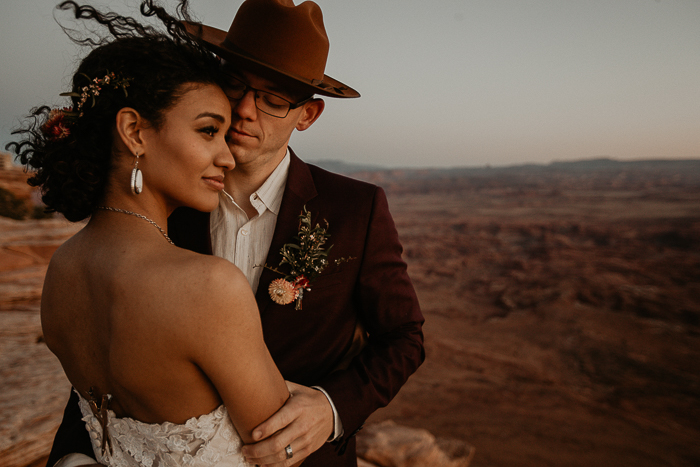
x,y
276,37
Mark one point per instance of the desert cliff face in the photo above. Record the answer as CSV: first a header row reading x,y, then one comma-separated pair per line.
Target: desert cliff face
x,y
33,388
562,314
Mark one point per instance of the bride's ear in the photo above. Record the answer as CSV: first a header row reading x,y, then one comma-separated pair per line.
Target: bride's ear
x,y
130,128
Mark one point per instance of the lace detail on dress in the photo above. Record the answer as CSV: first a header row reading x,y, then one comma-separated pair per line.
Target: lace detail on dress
x,y
204,441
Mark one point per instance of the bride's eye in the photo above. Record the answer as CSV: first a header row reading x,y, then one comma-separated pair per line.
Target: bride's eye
x,y
209,130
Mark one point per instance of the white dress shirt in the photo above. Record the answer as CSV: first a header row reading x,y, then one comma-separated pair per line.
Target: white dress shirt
x,y
243,241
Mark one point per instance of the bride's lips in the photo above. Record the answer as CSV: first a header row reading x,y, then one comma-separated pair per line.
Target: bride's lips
x,y
216,182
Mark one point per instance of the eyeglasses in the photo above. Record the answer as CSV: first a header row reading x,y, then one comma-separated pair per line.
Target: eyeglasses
x,y
266,102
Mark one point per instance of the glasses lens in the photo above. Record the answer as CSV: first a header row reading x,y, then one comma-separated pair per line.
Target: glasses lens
x,y
272,104
266,102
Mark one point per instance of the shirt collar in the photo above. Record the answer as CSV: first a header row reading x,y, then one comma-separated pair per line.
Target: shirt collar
x,y
271,192
269,195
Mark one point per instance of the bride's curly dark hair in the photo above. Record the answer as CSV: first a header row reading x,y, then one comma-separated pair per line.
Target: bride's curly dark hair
x,y
72,171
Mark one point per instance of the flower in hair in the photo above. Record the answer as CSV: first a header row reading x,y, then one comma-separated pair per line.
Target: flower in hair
x,y
92,90
57,125
59,122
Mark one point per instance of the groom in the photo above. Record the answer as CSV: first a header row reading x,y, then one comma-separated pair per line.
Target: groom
x,y
353,336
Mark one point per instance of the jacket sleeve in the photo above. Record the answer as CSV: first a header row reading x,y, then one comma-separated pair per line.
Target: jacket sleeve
x,y
72,436
388,307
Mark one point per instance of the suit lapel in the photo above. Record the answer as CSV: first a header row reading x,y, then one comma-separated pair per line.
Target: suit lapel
x,y
298,191
189,229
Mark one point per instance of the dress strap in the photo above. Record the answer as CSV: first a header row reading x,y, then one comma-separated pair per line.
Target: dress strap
x,y
101,414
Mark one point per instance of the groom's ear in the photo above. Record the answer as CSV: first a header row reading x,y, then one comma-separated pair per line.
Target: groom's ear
x,y
310,113
130,126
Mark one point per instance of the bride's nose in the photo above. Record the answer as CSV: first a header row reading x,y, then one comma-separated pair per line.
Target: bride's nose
x,y
224,158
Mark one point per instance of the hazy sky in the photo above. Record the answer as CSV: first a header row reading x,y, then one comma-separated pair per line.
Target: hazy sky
x,y
453,82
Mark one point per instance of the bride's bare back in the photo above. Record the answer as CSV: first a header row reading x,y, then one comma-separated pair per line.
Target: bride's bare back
x,y
169,333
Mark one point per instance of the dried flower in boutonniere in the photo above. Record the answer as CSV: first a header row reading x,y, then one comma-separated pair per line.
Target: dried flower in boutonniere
x,y
306,258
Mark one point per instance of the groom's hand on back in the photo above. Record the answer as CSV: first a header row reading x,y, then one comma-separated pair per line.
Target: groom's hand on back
x,y
304,423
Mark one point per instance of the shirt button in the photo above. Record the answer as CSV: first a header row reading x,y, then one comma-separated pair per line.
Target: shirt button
x,y
244,232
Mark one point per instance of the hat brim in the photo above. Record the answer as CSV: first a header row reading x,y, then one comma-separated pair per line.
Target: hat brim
x,y
214,40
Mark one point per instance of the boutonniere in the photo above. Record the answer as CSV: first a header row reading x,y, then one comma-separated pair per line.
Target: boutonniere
x,y
306,258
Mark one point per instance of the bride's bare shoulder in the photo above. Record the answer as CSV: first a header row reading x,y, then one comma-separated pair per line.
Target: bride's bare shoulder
x,y
205,272
207,306
208,283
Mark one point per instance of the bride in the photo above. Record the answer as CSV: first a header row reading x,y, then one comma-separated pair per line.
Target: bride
x,y
164,349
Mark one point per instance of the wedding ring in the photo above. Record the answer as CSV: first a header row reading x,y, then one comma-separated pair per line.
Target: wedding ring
x,y
289,452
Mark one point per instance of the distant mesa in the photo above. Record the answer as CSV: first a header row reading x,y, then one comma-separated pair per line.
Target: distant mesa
x,y
597,163
13,178
603,166
6,162
345,168
18,200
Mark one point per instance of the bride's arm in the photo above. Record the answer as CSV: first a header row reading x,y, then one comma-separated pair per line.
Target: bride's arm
x,y
228,346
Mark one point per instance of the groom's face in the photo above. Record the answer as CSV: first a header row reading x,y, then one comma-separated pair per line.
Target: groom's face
x,y
256,137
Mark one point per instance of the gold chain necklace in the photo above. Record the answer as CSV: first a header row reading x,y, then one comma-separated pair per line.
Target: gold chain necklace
x,y
140,216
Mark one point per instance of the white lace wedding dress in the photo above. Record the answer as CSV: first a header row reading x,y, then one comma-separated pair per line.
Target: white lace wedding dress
x,y
204,441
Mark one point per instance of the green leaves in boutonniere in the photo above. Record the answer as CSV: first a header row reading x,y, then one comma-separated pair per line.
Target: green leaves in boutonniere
x,y
306,259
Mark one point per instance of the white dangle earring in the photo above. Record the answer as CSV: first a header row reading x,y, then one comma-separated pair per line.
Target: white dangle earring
x,y
136,177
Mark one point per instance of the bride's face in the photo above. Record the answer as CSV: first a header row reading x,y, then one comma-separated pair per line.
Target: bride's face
x,y
185,160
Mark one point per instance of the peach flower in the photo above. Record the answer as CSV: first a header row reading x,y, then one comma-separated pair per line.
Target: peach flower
x,y
283,292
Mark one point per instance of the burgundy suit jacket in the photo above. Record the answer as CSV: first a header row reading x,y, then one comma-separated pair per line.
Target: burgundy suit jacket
x,y
308,344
